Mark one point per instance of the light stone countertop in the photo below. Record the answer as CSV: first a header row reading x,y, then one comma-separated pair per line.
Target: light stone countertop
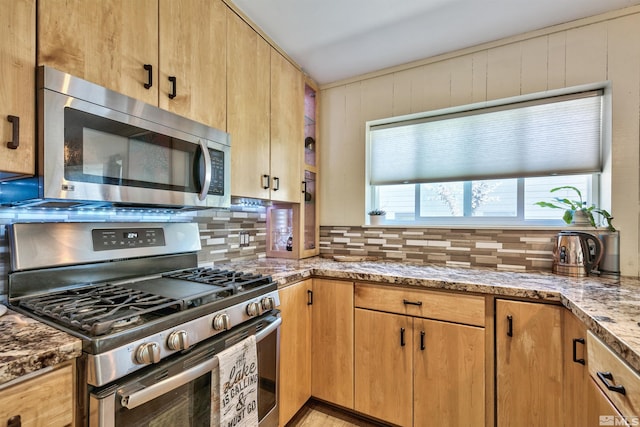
x,y
27,345
609,307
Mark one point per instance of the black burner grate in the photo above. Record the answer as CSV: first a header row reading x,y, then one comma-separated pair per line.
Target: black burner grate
x,y
100,309
240,281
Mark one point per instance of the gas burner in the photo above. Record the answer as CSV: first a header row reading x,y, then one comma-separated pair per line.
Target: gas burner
x,y
237,280
101,308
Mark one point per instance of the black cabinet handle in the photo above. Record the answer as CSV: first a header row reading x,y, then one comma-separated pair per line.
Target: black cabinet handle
x,y
575,344
149,82
309,297
402,343
304,187
605,377
509,325
276,183
407,302
422,346
266,182
14,421
15,142
172,79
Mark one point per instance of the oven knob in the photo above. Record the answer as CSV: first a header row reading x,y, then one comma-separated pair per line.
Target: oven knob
x,y
148,353
268,303
253,309
178,340
221,322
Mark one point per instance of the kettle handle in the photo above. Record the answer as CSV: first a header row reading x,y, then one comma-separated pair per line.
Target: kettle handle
x,y
589,264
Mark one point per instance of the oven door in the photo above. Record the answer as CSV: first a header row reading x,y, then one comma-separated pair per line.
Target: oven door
x,y
179,391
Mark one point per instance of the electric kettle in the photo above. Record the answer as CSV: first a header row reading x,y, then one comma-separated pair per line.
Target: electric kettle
x,y
576,253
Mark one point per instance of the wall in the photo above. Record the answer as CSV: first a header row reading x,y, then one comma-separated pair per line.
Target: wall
x,y
592,50
219,231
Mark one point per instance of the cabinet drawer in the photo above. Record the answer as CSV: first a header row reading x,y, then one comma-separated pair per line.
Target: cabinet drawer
x,y
602,362
450,307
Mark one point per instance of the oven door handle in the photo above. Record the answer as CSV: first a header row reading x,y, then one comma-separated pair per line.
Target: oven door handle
x,y
140,397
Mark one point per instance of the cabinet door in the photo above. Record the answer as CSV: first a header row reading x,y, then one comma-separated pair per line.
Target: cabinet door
x,y
332,346
287,129
384,348
600,411
44,400
295,349
449,383
576,374
248,106
107,42
17,29
193,50
528,364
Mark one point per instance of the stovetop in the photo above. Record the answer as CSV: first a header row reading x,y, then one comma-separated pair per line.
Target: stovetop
x,y
96,311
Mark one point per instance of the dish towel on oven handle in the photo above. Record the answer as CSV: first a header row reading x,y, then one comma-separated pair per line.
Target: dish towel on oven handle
x,y
235,388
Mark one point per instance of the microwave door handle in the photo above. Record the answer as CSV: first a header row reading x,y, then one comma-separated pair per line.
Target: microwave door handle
x,y
207,170
140,397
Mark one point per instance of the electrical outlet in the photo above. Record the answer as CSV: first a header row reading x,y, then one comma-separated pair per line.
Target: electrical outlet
x,y
244,239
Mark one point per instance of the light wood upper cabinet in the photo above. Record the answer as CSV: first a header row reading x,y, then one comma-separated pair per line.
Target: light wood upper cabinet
x,y
287,129
193,51
106,42
43,400
17,87
332,342
248,108
528,364
109,42
295,349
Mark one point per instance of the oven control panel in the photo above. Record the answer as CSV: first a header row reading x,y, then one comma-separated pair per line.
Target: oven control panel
x,y
122,238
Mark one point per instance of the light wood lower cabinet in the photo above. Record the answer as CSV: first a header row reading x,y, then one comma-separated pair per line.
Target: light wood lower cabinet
x,y
412,371
43,400
600,411
295,349
528,364
332,351
576,375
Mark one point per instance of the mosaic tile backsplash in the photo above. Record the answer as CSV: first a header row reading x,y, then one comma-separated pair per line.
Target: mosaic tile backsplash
x,y
506,249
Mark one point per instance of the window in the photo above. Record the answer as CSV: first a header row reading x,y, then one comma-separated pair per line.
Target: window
x,y
486,165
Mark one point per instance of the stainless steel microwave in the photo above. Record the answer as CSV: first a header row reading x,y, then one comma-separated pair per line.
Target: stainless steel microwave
x,y
96,145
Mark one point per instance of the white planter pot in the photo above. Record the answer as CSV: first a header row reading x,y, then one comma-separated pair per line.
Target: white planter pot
x,y
376,219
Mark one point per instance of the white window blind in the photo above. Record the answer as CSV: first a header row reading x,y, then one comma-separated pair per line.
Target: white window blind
x,y
559,135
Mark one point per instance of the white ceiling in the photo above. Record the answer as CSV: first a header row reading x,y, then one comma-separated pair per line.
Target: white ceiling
x,y
337,39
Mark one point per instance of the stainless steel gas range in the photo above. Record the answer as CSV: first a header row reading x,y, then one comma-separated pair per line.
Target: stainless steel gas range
x,y
151,321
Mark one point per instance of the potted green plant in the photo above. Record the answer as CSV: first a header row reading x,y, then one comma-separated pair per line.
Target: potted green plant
x,y
376,216
576,211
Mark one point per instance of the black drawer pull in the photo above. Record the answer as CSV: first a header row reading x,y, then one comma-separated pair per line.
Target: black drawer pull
x,y
422,346
402,343
149,82
15,142
605,377
172,79
575,344
309,297
509,325
14,421
407,302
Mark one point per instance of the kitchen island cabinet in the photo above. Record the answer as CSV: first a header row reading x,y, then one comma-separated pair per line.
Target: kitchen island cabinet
x,y
295,349
528,364
41,400
136,47
412,370
17,110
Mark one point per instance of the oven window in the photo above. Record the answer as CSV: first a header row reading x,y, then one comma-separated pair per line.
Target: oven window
x,y
267,373
188,405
